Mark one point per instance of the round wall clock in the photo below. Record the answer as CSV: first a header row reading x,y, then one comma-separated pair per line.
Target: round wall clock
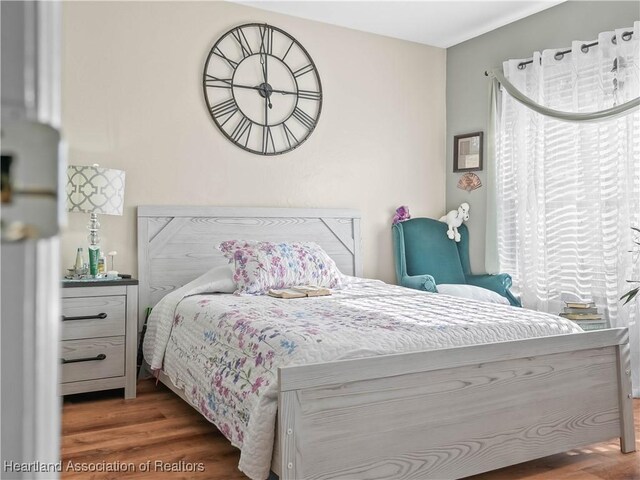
x,y
262,89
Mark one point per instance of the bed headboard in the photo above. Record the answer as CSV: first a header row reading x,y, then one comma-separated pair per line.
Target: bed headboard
x,y
178,243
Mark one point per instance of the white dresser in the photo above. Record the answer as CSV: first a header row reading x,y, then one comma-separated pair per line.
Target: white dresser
x,y
99,336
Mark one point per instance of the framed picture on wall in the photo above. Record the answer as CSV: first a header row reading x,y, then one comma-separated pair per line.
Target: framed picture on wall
x,y
467,152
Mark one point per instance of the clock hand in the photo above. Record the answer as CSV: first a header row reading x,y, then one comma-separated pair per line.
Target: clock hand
x,y
263,64
267,103
283,92
265,70
236,85
249,87
258,88
264,75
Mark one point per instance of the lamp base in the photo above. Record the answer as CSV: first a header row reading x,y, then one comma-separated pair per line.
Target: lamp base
x,y
94,228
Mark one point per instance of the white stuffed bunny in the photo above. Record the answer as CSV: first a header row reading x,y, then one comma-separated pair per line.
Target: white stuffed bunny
x,y
454,219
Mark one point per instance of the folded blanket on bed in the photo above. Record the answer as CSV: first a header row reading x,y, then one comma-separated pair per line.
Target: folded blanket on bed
x,y
225,350
216,280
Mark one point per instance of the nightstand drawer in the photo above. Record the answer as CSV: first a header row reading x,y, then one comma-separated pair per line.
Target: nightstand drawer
x,y
89,317
92,359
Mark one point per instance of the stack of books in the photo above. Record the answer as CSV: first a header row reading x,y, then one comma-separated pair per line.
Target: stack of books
x,y
585,313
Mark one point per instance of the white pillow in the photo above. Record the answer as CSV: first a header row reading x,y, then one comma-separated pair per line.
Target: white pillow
x,y
216,280
472,293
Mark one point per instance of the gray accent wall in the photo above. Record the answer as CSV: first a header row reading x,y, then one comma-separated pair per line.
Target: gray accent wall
x,y
468,88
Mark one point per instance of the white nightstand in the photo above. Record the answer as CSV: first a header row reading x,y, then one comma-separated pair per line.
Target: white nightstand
x,y
99,336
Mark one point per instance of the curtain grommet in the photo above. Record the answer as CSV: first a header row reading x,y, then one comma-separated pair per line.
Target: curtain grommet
x,y
626,36
584,48
559,56
614,40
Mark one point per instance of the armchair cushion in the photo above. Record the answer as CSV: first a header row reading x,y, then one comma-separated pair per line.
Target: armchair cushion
x,y
499,283
473,293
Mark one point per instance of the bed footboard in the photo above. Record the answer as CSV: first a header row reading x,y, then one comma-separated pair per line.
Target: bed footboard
x,y
455,412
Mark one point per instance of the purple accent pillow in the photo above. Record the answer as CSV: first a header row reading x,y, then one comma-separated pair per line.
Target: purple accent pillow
x,y
260,266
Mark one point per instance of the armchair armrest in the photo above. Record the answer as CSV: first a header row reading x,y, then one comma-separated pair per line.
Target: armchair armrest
x,y
419,282
499,283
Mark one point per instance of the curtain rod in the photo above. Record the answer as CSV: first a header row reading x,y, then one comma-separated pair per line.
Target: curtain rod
x,y
559,55
517,95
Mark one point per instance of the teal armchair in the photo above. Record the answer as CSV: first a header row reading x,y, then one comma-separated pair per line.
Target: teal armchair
x,y
426,257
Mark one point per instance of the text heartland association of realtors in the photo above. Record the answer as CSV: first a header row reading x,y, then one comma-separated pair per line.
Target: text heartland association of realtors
x,y
70,466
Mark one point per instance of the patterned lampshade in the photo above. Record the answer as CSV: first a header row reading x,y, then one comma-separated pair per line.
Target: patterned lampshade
x,y
93,189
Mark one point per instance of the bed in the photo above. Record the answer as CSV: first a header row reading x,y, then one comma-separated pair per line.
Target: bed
x,y
448,412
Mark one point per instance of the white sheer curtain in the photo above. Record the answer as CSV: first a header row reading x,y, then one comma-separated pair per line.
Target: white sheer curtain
x,y
567,194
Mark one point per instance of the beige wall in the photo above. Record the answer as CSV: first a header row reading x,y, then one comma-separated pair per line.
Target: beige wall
x,y
132,99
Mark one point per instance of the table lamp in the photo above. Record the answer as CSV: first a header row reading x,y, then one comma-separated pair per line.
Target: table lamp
x,y
94,190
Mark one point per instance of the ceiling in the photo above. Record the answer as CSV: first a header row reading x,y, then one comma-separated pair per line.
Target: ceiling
x,y
437,23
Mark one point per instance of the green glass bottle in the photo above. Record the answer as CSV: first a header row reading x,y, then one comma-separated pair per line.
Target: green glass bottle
x,y
94,258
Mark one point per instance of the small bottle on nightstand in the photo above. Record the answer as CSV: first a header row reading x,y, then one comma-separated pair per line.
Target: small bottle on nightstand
x,y
102,265
79,265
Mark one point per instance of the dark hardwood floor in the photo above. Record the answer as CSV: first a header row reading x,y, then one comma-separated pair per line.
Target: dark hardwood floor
x,y
159,426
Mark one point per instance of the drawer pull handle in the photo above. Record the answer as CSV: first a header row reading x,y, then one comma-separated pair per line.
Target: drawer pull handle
x,y
101,356
84,317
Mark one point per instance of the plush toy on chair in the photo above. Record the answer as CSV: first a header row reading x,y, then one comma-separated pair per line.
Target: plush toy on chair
x,y
454,219
402,215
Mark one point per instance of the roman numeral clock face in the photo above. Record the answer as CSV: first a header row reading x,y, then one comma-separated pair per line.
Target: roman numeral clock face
x,y
262,89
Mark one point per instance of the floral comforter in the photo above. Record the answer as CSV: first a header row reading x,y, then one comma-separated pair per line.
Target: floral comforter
x,y
224,350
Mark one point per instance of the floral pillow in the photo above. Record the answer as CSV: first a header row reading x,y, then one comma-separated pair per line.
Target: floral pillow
x,y
260,266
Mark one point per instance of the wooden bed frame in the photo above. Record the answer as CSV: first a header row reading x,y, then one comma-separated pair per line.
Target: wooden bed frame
x,y
435,414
